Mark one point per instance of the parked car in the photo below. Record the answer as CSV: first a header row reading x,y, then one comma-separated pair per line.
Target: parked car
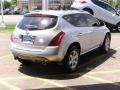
x,y
101,10
58,36
24,11
17,10
7,11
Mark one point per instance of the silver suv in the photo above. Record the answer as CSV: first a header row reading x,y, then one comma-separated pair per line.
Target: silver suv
x,y
58,36
101,10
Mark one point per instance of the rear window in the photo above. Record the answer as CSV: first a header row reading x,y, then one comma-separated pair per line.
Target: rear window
x,y
38,22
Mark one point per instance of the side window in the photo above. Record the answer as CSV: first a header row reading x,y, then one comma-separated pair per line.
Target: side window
x,y
104,5
110,9
100,4
91,20
77,20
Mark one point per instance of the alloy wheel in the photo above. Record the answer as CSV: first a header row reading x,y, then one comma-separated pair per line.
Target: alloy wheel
x,y
73,59
107,43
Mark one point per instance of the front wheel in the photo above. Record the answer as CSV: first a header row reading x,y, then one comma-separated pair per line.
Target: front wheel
x,y
72,58
106,44
118,27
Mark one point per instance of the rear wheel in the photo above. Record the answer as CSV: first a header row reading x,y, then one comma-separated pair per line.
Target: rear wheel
x,y
72,58
106,44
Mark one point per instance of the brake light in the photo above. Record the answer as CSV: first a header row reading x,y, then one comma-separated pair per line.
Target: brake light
x,y
57,39
36,14
11,37
82,1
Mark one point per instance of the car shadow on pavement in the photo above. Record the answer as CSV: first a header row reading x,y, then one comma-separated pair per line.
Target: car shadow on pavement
x,y
88,62
102,86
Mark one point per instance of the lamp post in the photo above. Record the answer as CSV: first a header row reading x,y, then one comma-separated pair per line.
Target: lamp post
x,y
2,19
44,4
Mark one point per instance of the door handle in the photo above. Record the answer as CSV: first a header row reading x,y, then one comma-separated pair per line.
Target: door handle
x,y
80,34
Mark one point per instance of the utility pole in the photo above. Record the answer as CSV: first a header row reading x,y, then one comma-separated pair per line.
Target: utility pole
x,y
44,4
2,18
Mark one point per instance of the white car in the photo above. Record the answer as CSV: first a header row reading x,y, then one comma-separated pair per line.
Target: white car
x,y
101,10
58,36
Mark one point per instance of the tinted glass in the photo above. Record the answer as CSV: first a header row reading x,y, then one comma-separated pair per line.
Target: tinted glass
x,y
77,20
91,20
104,5
99,3
37,22
110,9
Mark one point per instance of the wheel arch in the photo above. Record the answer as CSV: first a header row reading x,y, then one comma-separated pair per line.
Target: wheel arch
x,y
88,9
75,44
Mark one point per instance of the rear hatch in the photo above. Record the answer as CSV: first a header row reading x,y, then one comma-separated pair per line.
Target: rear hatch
x,y
35,31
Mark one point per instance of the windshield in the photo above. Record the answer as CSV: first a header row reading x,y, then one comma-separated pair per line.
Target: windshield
x,y
37,22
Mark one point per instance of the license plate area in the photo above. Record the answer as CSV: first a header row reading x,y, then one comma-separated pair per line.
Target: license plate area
x,y
28,39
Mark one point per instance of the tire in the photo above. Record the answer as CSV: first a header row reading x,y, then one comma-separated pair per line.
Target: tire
x,y
106,44
110,27
72,59
118,27
25,62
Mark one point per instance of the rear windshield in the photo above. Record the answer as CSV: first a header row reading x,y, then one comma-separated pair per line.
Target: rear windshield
x,y
30,22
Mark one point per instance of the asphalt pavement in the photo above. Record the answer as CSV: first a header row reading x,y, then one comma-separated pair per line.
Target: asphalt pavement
x,y
96,71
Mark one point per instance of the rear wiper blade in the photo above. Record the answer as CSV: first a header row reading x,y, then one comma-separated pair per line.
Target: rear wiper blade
x,y
31,27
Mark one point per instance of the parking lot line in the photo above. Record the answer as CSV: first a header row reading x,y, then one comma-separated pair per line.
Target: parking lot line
x,y
5,56
16,78
105,72
117,48
11,87
41,79
101,80
55,84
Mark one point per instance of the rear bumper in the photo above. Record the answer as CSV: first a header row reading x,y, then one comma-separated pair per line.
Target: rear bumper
x,y
49,54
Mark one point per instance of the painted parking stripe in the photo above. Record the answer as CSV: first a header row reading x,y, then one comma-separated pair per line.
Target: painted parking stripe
x,y
41,79
10,86
105,72
117,48
101,80
5,56
55,84
16,78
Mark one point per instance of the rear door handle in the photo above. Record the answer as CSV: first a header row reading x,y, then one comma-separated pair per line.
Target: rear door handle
x,y
80,34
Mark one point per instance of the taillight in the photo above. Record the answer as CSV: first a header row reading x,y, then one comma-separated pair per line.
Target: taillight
x,y
57,39
11,37
82,1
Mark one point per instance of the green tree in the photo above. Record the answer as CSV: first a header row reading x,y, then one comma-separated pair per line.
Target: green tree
x,y
6,4
114,3
13,2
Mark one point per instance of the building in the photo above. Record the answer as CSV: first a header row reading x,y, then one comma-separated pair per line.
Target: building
x,y
32,4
